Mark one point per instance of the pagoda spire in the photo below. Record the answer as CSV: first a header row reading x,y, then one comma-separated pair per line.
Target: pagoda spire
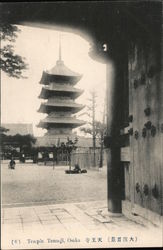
x,y
60,49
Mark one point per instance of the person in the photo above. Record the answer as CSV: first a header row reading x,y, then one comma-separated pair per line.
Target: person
x,y
77,168
12,164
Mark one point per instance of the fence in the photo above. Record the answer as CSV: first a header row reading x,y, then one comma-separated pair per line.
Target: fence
x,y
84,157
87,159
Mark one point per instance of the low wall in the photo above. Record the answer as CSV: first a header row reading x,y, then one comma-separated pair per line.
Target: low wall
x,y
86,159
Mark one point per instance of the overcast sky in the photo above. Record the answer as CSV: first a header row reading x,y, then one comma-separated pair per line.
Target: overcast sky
x,y
40,47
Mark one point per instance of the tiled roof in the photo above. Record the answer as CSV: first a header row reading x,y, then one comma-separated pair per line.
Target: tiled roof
x,y
64,120
54,105
18,128
66,89
46,141
61,70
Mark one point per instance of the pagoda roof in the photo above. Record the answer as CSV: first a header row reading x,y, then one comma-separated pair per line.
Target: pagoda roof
x,y
60,73
64,89
58,122
62,70
60,106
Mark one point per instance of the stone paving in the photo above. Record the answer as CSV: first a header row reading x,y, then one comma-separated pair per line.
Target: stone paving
x,y
85,224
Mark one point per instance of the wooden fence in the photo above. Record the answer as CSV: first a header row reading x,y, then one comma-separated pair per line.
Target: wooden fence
x,y
86,159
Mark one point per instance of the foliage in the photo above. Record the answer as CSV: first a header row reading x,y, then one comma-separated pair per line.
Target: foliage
x,y
63,147
3,130
93,128
8,32
17,145
96,128
11,142
66,148
12,64
99,129
21,140
70,145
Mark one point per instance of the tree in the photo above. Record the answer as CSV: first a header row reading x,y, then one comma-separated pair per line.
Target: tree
x,y
91,113
3,130
64,148
70,147
97,128
12,64
2,136
23,142
67,148
99,131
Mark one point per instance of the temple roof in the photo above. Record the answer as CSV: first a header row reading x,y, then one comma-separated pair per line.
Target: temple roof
x,y
57,89
60,73
18,128
60,106
53,140
47,77
62,70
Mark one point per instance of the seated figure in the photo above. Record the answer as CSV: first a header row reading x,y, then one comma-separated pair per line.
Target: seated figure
x,y
77,168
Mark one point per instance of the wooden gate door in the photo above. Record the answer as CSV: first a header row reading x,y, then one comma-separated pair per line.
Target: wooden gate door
x,y
146,142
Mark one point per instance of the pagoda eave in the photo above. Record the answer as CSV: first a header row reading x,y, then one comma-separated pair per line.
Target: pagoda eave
x,y
73,93
49,108
60,93
45,125
47,78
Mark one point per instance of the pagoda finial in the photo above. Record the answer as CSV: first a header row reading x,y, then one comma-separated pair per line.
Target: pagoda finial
x,y
60,49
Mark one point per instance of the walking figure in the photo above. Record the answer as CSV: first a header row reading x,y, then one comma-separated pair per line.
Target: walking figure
x,y
12,164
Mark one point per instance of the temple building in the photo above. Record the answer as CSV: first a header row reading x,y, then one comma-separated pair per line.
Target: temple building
x,y
60,106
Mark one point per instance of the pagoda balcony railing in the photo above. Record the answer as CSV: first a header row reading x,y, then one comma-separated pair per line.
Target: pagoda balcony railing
x,y
62,104
60,99
61,114
63,87
52,101
65,120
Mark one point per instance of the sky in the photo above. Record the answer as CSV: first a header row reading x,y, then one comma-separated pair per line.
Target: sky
x,y
40,47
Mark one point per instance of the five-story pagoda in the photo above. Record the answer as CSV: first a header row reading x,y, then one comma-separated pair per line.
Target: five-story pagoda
x,y
60,95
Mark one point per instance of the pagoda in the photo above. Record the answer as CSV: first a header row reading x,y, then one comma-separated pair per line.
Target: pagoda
x,y
60,106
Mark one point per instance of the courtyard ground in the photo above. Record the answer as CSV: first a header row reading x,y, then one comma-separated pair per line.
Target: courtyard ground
x,y
48,209
31,184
